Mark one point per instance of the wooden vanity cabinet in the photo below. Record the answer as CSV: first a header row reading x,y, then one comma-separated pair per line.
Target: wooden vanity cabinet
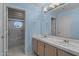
x,y
35,45
40,48
63,53
50,50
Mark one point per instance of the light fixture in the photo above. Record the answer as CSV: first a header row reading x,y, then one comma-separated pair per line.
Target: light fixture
x,y
45,10
57,4
52,6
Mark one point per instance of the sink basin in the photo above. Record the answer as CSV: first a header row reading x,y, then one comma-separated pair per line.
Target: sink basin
x,y
70,44
46,35
43,36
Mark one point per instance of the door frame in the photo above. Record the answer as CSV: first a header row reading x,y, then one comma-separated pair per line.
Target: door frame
x,y
6,6
2,36
53,18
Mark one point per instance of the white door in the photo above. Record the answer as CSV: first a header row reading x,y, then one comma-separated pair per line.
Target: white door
x,y
1,30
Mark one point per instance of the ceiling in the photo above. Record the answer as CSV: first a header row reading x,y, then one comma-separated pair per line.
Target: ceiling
x,y
41,5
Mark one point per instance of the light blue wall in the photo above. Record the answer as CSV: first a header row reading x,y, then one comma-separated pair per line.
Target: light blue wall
x,y
74,16
35,22
46,21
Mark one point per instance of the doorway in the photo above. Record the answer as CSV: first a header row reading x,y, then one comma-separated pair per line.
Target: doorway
x,y
53,26
16,31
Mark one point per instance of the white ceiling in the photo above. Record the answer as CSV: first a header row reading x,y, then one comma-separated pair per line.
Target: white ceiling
x,y
41,5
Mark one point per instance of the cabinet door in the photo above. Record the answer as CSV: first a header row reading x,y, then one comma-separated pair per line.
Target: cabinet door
x,y
40,48
63,53
50,51
34,45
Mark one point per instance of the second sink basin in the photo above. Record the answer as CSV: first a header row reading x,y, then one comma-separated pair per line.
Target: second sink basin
x,y
70,44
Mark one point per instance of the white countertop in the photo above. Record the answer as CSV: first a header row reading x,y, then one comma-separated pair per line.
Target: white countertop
x,y
72,47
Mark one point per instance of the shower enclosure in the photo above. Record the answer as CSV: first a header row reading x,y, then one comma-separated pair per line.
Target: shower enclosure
x,y
15,32
16,27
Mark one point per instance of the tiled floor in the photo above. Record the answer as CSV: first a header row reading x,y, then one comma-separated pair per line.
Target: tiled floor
x,y
18,51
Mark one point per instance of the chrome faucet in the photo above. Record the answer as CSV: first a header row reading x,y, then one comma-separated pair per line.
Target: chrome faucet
x,y
66,41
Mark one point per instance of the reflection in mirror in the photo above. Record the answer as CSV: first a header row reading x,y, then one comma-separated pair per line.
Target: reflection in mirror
x,y
18,24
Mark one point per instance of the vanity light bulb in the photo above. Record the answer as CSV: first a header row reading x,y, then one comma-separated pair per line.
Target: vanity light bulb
x,y
52,6
45,10
57,4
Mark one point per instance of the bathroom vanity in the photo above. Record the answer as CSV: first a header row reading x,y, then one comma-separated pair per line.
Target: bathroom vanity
x,y
54,46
